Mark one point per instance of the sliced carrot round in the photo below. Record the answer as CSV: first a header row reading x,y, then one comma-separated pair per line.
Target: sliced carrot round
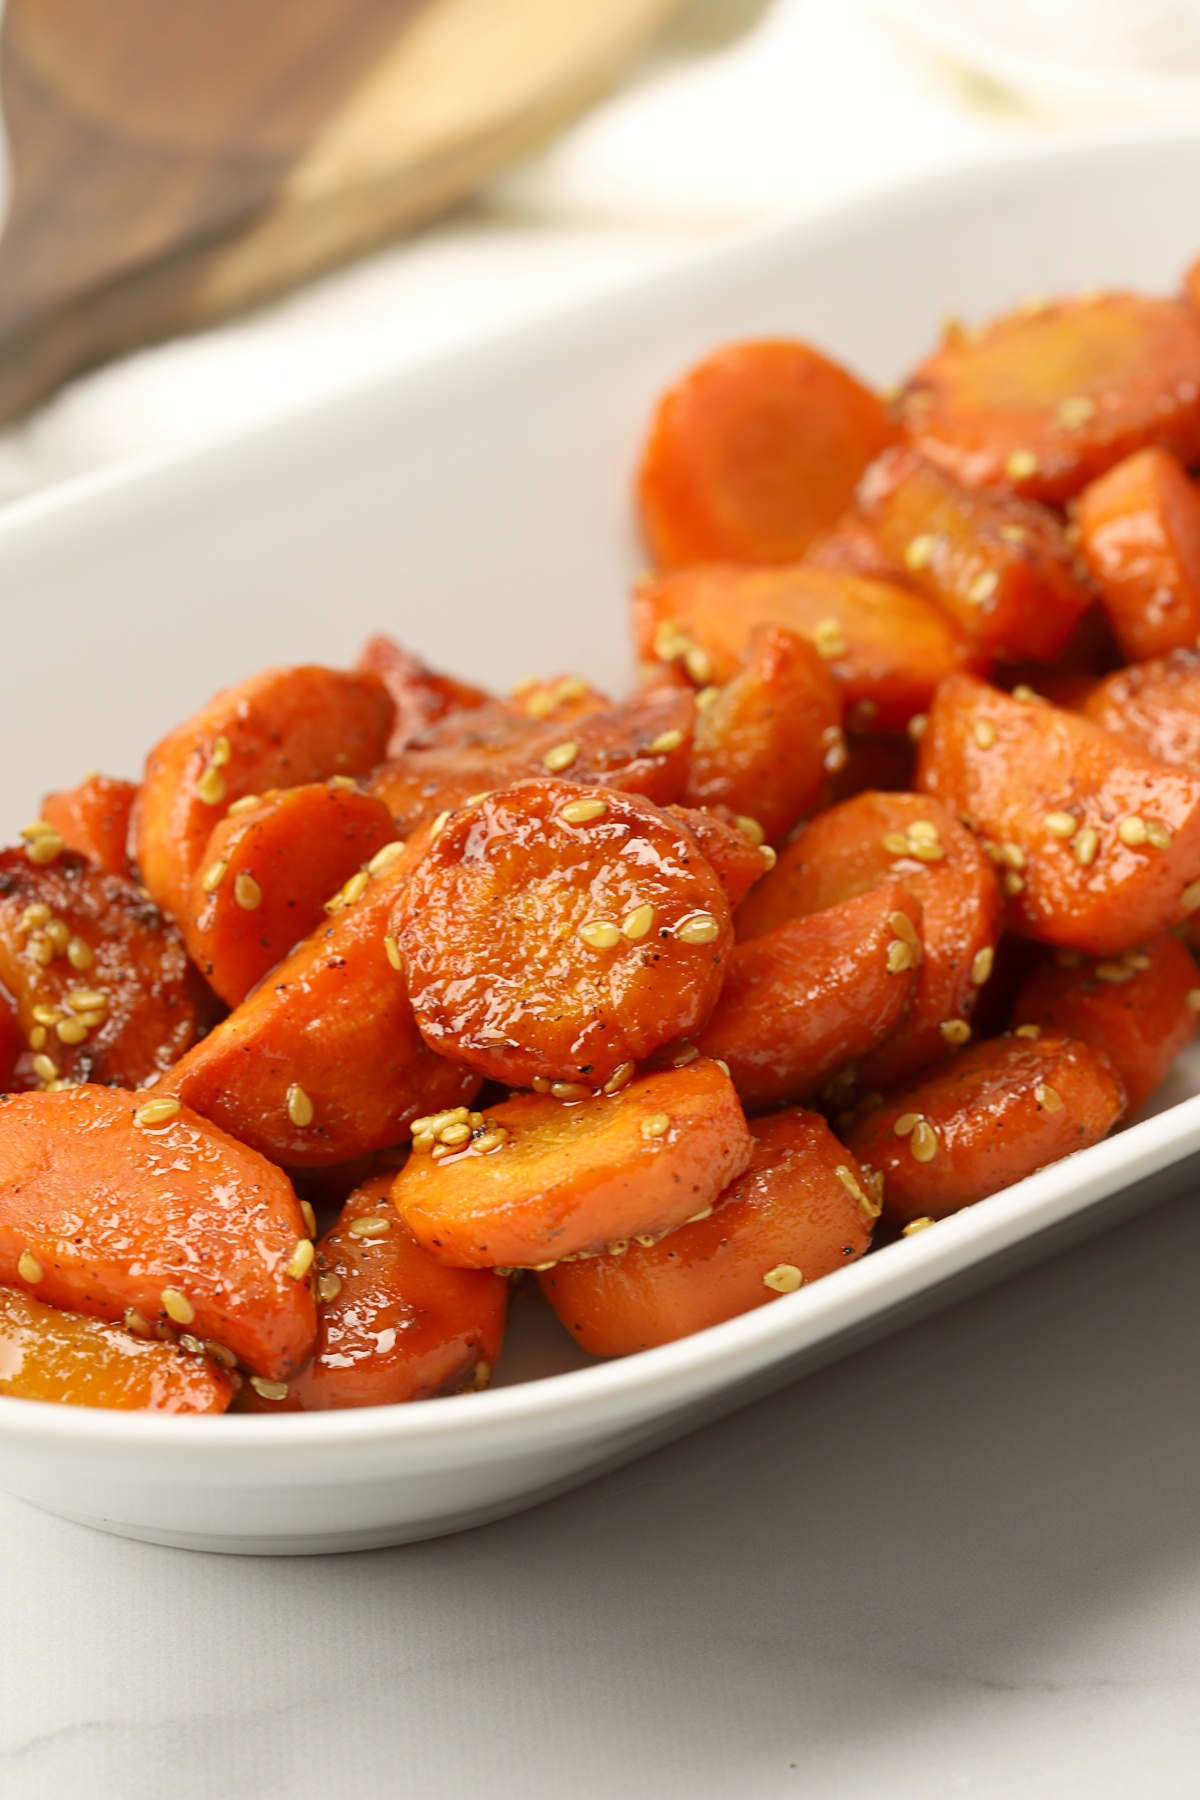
x,y
557,932
1139,535
538,1179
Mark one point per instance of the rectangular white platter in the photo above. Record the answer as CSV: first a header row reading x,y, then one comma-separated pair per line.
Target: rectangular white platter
x,y
479,508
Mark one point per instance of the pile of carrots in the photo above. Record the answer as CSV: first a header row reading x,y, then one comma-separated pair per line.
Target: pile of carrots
x,y
380,999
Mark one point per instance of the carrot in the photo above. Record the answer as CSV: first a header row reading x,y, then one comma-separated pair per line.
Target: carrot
x,y
420,695
814,996
93,818
883,838
886,647
801,1209
268,870
1139,535
1046,398
766,741
100,978
992,1115
119,1206
1153,705
560,698
558,932
279,729
324,1062
850,547
46,1354
752,452
1001,567
1140,1009
393,1324
537,1180
1104,841
731,844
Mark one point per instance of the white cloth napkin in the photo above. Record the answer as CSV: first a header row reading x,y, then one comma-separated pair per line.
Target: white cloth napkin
x,y
744,110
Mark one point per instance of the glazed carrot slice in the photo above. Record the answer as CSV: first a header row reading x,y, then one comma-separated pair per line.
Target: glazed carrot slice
x,y
989,1117
850,547
1140,1008
268,870
93,818
123,1206
877,838
1154,705
1104,841
1000,566
815,995
1139,534
100,978
393,1324
765,742
752,452
324,1062
420,695
802,1209
538,1179
559,697
279,729
557,932
46,1354
1046,398
887,647
732,845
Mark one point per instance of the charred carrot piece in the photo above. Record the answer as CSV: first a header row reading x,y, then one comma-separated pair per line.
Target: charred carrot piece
x,y
421,695
1140,1008
766,742
74,1360
93,818
815,995
279,729
876,838
559,698
558,932
268,871
1000,566
1046,398
886,646
802,1209
538,1179
1103,840
1139,535
752,452
1153,705
733,845
131,1207
992,1115
393,1324
100,978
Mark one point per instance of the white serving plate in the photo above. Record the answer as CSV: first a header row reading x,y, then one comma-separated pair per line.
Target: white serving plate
x,y
480,509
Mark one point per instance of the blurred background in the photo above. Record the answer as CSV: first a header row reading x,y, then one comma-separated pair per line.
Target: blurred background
x,y
701,119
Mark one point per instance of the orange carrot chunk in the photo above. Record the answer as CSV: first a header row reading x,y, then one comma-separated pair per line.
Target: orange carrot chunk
x,y
537,1179
765,742
100,978
67,1357
558,932
93,818
752,452
1000,566
906,838
992,1115
815,995
279,729
1154,705
268,871
129,1206
1046,398
851,547
1139,534
324,1061
420,695
1140,1008
1105,840
886,647
802,1208
732,844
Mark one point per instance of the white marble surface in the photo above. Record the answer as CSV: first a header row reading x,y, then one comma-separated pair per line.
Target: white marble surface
x,y
965,1562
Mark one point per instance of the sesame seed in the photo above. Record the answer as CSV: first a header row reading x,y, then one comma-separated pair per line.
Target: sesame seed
x,y
637,923
664,743
211,786
454,1135
1010,855
46,1015
1029,696
706,697
836,755
37,1038
984,733
1158,836
924,1142
1012,883
955,1031
220,1353
1136,959
384,858
900,957
482,1375
895,843
570,1090
1189,900
299,1106
698,664
220,754
328,1287
1075,411
137,1322
247,893
723,1066
490,1140
58,934
620,1078
769,857
1048,1098
918,553
158,1112
211,879
1193,999
269,1390
79,954
1062,824
370,1227
656,1125
684,1054
45,1068
1013,534
923,831
750,828
700,928
439,825
355,888
309,1217
90,1020
41,949
784,1278
983,587
981,965
851,1184
301,1259
36,914
560,757
926,850
906,1124
247,803
1085,844
1019,465
423,1142
582,812
70,1031
44,850
177,1306
827,636
39,829
670,641
917,726
600,934
1028,1031
28,1267
915,1225
1114,972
